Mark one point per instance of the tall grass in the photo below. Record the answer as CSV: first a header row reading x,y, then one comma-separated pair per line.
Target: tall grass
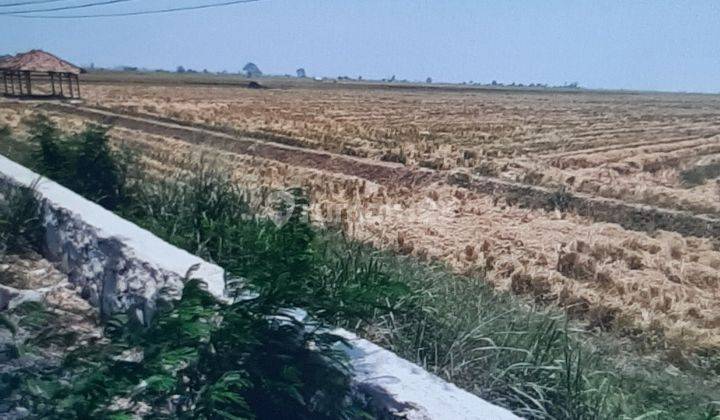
x,y
84,162
525,358
20,226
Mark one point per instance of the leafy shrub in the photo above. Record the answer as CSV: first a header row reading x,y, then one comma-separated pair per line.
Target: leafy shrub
x,y
20,226
51,158
200,358
83,162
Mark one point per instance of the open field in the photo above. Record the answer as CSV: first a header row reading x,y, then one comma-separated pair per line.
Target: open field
x,y
657,149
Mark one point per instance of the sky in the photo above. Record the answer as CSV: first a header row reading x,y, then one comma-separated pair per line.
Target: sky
x,y
642,45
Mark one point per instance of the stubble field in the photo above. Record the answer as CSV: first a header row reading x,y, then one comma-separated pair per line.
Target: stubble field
x,y
656,149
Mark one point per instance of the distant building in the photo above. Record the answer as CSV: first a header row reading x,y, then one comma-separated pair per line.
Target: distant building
x,y
252,70
38,73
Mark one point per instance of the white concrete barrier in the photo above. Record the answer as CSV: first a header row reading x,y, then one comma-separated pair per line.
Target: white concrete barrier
x,y
116,264
119,266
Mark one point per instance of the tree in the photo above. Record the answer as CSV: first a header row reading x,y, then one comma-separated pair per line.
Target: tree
x,y
180,69
300,72
252,70
428,80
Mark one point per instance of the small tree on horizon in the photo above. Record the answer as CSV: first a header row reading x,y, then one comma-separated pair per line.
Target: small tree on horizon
x,y
252,70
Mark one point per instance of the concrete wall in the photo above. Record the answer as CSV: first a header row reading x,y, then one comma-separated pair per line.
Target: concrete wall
x,y
116,264
119,266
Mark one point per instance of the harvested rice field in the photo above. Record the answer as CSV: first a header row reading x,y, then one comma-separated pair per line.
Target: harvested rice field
x,y
654,149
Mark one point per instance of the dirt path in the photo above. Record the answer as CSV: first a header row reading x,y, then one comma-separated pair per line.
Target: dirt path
x,y
628,215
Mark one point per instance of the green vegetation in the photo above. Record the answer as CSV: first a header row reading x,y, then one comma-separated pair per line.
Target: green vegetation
x,y
698,175
528,359
200,359
19,151
83,162
20,227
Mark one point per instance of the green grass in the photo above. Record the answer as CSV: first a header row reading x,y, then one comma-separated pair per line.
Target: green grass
x,y
530,359
19,151
20,227
698,175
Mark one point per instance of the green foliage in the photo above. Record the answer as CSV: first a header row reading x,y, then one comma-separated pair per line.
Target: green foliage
x,y
83,162
52,157
456,326
5,132
19,151
200,358
288,264
698,175
97,174
525,358
20,226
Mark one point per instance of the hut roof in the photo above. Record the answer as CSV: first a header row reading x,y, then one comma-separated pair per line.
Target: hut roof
x,y
38,60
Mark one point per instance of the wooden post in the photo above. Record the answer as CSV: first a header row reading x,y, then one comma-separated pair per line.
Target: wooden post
x,y
61,86
69,76
77,82
29,83
12,83
5,86
52,82
20,83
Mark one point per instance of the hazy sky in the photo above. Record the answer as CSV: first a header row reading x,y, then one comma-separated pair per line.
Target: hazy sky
x,y
658,45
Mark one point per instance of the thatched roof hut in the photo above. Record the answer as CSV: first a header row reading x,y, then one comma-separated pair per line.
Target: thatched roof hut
x,y
21,70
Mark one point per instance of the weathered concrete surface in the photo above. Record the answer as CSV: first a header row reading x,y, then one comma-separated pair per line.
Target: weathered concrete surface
x,y
116,264
406,390
120,266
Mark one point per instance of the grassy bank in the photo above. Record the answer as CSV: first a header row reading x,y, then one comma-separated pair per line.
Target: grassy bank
x,y
197,358
526,358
